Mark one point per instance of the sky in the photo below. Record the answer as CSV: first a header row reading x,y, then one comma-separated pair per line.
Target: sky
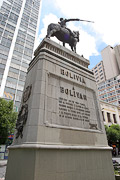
x,y
94,37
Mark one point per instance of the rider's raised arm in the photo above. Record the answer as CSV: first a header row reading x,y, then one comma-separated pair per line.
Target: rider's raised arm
x,y
67,20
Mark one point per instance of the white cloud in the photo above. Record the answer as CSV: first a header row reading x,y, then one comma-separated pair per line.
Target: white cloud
x,y
1,2
46,21
105,13
87,44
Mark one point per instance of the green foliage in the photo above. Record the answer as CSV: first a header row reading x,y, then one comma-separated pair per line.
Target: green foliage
x,y
113,133
7,119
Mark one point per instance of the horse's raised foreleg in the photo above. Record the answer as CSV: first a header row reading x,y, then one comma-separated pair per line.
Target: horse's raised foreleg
x,y
74,46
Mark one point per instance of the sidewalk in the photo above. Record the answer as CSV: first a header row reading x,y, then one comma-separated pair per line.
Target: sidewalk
x,y
3,165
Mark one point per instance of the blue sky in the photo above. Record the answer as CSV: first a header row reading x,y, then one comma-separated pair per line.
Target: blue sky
x,y
93,36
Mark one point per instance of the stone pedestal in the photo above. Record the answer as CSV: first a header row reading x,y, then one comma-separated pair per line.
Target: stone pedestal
x,y
60,132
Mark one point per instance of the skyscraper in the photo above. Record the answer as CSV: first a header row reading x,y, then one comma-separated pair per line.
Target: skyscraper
x,y
19,20
110,62
99,72
117,53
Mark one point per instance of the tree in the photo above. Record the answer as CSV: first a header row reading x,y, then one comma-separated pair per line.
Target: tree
x,y
113,133
8,118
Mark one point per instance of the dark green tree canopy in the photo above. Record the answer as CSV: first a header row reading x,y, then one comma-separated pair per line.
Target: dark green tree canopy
x,y
113,133
7,119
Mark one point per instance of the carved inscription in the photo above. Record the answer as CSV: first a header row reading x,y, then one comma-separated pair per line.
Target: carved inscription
x,y
73,76
72,92
73,110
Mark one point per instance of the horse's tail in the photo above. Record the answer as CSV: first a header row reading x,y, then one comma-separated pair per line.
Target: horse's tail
x,y
48,29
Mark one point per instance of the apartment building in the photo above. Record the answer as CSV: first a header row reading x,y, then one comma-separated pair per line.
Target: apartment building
x,y
99,72
109,91
117,53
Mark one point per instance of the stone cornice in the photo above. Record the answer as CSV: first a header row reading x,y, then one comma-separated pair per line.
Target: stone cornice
x,y
62,51
51,146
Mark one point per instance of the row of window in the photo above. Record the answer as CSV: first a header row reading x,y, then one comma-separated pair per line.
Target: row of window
x,y
109,117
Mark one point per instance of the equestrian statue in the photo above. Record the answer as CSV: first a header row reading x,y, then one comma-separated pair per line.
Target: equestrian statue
x,y
64,34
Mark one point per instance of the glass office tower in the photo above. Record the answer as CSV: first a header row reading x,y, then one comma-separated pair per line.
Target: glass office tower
x,y
19,20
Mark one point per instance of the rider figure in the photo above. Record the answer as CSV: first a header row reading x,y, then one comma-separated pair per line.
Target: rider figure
x,y
63,24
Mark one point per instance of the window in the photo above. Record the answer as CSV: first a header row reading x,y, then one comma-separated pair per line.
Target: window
x,y
1,29
28,52
8,34
25,17
12,80
6,42
103,115
114,117
25,65
22,34
2,66
118,91
19,93
19,48
101,74
24,23
13,18
2,23
4,50
22,76
108,116
16,9
17,53
30,38
21,83
31,31
14,70
17,104
10,90
95,67
1,71
11,1
16,61
10,27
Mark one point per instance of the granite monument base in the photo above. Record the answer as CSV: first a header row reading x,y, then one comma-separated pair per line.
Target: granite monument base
x,y
60,163
59,131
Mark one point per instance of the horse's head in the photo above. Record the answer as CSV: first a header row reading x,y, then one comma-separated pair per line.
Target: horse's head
x,y
76,35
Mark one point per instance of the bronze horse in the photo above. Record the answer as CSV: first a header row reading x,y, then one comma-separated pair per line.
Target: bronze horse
x,y
63,34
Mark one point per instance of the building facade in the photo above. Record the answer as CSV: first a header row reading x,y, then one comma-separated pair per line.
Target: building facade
x,y
110,62
109,85
109,91
19,20
99,72
117,53
110,113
